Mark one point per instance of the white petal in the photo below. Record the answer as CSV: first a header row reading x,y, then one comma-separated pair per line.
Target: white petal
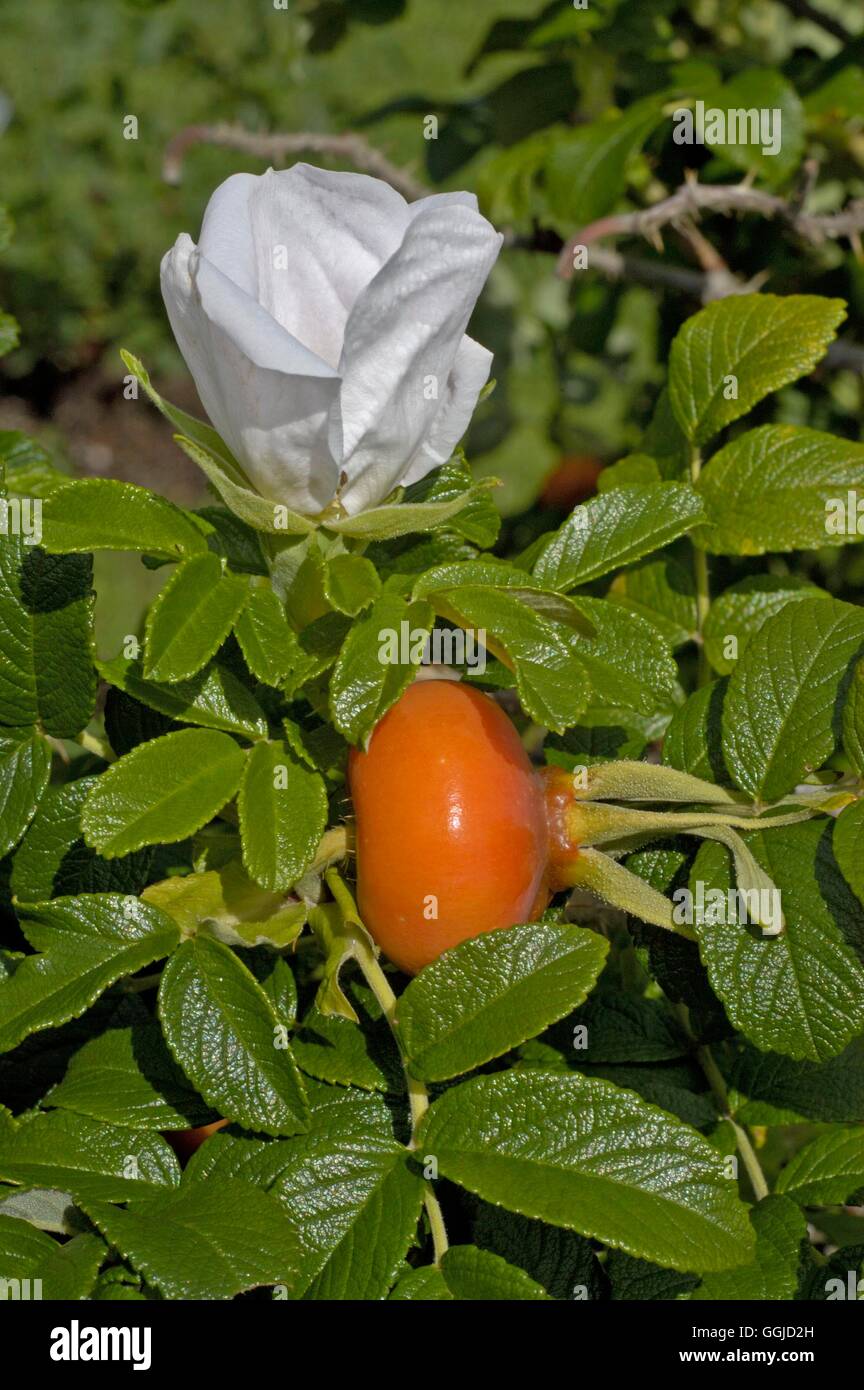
x,y
320,238
402,335
267,395
226,232
469,375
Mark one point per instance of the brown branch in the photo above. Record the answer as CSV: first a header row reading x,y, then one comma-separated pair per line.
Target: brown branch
x,y
704,286
694,197
277,146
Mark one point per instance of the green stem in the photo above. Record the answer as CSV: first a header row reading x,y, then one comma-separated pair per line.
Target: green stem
x,y
716,1081
703,582
418,1096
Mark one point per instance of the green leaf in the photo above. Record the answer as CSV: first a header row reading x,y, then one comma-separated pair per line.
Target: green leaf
x,y
491,993
765,89
780,714
773,1274
206,1241
28,466
25,766
262,514
662,590
743,609
623,1028
93,1161
162,791
853,720
826,1171
849,846
425,1284
560,1261
478,1275
351,583
774,988
832,1090
778,488
191,618
633,678
544,654
640,1280
126,1076
336,1050
581,1153
365,681
586,168
228,905
614,529
233,540
282,806
214,699
764,341
46,639
64,1273
53,860
103,514
401,519
268,643
224,1032
354,1198
87,943
693,740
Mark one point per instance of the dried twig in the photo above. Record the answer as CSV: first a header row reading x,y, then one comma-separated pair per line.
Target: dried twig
x,y
277,146
694,197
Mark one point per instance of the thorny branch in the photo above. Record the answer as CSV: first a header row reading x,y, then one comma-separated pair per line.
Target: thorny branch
x,y
693,197
278,145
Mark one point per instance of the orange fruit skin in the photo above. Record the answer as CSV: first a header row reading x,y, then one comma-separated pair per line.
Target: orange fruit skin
x,y
184,1142
450,820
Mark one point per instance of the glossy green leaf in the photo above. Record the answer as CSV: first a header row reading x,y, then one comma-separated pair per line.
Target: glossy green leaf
x,y
849,846
206,1241
773,1274
853,720
779,488
742,610
268,643
474,1275
224,1032
162,791
492,992
615,529
46,638
774,988
89,1159
828,1170
584,1154
282,806
103,514
25,766
354,1197
376,663
85,944
191,618
780,713
763,341
214,699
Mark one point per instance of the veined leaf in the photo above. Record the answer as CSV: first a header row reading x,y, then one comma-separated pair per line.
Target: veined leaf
x,y
103,514
191,618
92,1161
584,1154
283,811
214,699
826,1171
737,350
773,1274
162,791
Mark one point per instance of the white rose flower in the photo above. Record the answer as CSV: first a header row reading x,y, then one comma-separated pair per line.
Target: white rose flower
x,y
323,320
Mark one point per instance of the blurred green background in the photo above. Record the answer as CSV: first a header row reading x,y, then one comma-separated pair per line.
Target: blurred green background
x,y
554,115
